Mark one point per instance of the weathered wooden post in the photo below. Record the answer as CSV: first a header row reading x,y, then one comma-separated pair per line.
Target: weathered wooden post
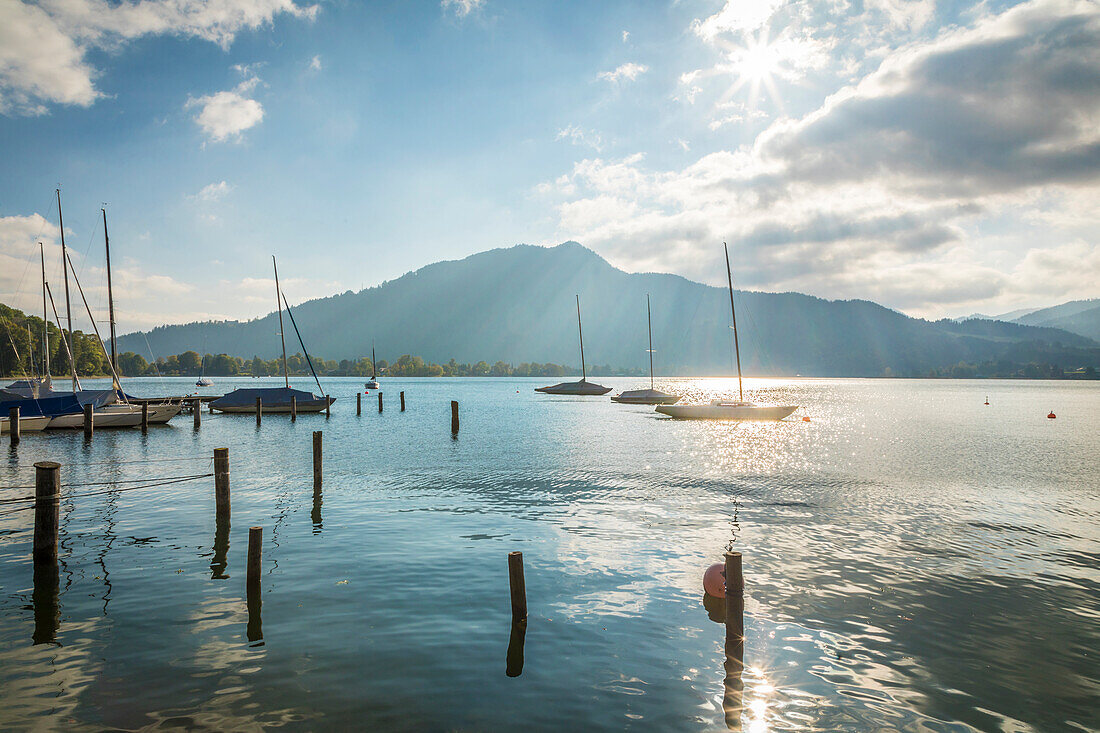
x,y
254,631
402,401
259,410
316,460
328,406
380,401
47,500
454,417
221,482
13,425
144,417
198,413
517,586
734,686
89,421
358,403
293,408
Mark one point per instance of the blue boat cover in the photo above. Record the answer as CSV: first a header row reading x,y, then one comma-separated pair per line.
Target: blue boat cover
x,y
271,396
54,403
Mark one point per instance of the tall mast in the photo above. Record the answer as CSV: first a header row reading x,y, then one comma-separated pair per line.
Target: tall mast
x,y
279,305
68,307
580,334
110,301
649,317
373,362
733,313
45,318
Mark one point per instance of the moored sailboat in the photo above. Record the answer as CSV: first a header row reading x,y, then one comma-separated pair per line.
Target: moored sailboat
x,y
728,409
649,396
583,387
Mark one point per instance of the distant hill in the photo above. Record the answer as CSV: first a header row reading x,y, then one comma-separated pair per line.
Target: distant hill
x,y
517,305
1078,316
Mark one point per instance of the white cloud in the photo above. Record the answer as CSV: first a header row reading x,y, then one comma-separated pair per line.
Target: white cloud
x,y
626,35
580,136
225,115
736,16
315,63
213,191
43,47
461,8
885,189
628,70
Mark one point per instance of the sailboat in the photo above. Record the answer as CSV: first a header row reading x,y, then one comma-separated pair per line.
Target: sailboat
x,y
203,380
649,396
728,409
277,399
372,383
583,387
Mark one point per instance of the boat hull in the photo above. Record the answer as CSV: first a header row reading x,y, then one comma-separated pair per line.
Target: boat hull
x,y
645,397
111,416
310,406
26,424
587,389
727,412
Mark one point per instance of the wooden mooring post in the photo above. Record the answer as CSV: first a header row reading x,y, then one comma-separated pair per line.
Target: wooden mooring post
x,y
89,421
144,417
198,413
47,500
13,425
733,684
259,410
358,403
221,483
517,586
402,401
293,408
379,401
454,417
316,460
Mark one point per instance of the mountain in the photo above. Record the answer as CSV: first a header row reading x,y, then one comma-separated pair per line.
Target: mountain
x,y
1078,316
517,305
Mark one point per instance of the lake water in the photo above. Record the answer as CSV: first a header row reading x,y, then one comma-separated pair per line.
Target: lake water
x,y
914,559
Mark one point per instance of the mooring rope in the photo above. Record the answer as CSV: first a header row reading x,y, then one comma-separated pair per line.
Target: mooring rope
x,y
145,483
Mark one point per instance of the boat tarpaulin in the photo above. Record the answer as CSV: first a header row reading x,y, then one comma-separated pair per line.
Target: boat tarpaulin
x,y
271,396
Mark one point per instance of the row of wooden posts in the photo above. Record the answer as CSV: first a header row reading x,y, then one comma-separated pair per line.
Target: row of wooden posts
x,y
89,415
46,525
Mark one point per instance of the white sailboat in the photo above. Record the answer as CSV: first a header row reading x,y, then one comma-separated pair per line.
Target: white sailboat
x,y
649,396
372,383
728,409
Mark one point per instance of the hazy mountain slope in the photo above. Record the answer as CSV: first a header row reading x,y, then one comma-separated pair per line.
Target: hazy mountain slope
x,y
518,304
1079,316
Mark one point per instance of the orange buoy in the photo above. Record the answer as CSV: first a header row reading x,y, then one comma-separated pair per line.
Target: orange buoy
x,y
1051,415
714,580
805,418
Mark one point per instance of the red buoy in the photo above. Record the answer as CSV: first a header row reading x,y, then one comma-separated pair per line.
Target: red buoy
x,y
1051,415
714,580
805,418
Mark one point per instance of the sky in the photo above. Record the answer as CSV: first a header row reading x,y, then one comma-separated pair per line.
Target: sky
x,y
939,157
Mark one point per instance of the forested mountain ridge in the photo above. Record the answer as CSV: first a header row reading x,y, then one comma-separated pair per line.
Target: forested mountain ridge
x,y
517,304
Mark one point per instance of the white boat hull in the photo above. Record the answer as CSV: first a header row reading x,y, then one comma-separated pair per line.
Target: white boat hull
x,y
727,411
118,415
26,424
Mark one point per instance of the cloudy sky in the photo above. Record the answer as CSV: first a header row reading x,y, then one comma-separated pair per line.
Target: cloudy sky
x,y
938,156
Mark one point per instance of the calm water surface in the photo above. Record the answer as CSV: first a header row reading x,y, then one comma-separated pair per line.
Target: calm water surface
x,y
914,560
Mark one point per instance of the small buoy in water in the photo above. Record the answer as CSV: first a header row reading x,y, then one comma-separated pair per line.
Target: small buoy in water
x,y
987,400
1051,415
714,580
805,418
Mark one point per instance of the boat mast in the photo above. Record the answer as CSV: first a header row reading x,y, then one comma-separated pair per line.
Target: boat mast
x,y
45,319
279,305
68,307
580,334
649,317
64,341
373,362
110,301
733,313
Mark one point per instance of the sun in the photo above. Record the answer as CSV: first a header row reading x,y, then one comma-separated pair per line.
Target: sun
x,y
755,65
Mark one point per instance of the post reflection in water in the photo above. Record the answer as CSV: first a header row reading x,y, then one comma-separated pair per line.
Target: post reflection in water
x,y
220,561
44,597
733,698
515,648
254,632
315,515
